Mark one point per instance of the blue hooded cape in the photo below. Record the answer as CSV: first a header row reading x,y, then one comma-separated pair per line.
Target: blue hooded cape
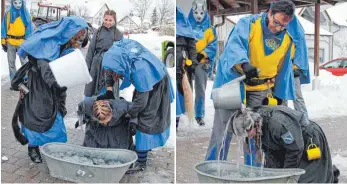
x,y
136,64
46,41
183,27
237,51
14,13
199,29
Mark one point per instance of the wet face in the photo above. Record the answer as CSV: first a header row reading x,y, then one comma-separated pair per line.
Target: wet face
x,y
17,4
78,39
198,12
278,22
109,21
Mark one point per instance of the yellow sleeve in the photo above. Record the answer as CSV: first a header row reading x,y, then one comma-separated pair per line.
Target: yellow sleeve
x,y
208,38
3,41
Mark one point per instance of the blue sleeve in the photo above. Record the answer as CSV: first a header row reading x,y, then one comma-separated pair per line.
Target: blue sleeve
x,y
211,49
237,47
28,30
297,34
4,27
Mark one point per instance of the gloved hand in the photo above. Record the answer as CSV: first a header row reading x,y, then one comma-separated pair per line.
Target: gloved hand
x,y
199,57
58,89
77,124
4,47
132,128
249,70
108,95
297,72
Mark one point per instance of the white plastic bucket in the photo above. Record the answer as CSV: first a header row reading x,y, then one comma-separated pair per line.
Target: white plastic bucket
x,y
228,96
71,70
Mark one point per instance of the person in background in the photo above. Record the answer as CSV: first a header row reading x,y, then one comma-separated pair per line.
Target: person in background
x,y
15,28
206,48
185,45
102,40
43,108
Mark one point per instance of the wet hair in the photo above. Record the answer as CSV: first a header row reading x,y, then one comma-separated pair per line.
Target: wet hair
x,y
112,13
101,110
283,6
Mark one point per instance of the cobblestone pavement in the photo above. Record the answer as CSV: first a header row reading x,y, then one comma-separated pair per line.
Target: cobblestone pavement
x,y
191,148
19,168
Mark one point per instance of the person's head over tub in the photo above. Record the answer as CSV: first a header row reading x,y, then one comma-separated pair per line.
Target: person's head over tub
x,y
106,124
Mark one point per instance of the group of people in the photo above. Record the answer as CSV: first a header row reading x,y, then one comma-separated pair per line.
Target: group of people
x,y
111,121
196,41
269,49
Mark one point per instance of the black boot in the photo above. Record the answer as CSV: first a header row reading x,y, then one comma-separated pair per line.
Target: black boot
x,y
200,121
34,154
136,167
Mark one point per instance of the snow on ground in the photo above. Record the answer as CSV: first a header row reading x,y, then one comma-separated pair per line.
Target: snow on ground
x,y
328,101
4,65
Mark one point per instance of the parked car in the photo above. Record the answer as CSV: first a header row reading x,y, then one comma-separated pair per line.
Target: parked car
x,y
337,67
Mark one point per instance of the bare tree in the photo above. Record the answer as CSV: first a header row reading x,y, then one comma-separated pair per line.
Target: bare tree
x,y
141,7
166,9
82,11
342,45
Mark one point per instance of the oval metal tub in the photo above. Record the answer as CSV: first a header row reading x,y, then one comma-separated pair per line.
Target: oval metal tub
x,y
231,173
86,173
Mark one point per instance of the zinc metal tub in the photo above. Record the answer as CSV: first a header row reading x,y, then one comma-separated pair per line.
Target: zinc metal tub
x,y
83,173
207,173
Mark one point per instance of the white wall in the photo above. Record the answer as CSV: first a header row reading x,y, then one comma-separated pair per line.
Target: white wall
x,y
185,5
223,31
323,45
340,37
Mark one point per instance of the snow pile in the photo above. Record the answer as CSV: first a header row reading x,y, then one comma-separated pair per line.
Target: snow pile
x,y
341,164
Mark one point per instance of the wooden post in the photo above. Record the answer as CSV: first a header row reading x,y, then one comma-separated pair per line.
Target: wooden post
x,y
2,9
316,42
254,7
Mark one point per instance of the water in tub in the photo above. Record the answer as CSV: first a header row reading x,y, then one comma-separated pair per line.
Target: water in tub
x,y
84,158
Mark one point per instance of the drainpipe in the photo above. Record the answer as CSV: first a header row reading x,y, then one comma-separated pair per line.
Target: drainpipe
x,y
222,23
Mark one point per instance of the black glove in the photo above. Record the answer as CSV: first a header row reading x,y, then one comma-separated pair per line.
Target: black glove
x,y
108,95
199,57
192,67
132,128
77,124
249,70
297,72
4,47
59,90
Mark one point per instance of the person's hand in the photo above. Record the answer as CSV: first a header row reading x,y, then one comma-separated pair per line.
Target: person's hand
x,y
249,70
297,72
108,95
132,128
21,93
4,47
77,124
58,89
199,57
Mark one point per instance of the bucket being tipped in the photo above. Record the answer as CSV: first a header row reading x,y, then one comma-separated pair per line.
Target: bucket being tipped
x,y
71,70
228,96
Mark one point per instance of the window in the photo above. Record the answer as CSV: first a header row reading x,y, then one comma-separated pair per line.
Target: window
x,y
334,64
344,64
311,55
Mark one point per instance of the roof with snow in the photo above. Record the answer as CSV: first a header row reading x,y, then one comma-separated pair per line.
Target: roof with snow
x,y
338,14
93,6
307,25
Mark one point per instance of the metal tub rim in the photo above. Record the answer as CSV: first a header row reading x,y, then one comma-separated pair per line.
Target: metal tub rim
x,y
298,172
89,148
